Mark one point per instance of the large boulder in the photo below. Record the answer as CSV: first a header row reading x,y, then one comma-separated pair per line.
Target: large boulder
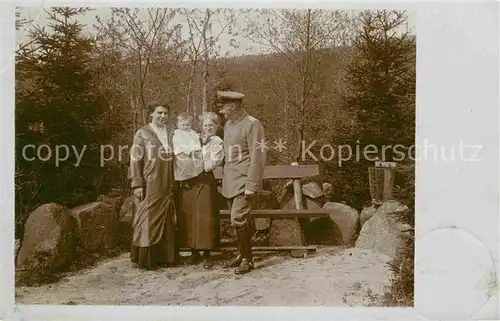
x,y
113,198
345,220
289,231
382,232
48,242
285,232
97,226
367,213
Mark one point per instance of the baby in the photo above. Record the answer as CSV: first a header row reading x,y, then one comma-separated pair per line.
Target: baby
x,y
187,149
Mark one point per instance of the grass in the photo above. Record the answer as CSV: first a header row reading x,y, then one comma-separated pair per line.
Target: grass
x,y
401,291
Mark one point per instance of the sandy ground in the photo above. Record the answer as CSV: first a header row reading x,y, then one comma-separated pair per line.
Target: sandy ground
x,y
329,277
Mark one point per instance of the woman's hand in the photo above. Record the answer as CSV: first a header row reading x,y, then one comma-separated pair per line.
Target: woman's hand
x,y
139,193
203,138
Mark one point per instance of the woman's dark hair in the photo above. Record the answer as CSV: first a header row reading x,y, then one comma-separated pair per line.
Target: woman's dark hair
x,y
151,107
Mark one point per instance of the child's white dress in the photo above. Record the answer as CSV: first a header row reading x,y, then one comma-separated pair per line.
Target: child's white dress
x,y
188,157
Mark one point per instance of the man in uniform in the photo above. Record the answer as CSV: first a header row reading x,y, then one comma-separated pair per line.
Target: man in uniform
x,y
244,163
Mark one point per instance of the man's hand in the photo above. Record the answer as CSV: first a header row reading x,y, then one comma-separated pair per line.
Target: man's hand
x,y
139,193
249,192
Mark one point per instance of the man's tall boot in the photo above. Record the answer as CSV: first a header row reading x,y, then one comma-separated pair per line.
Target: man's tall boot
x,y
246,265
237,260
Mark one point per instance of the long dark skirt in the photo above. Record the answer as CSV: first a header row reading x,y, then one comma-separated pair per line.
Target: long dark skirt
x,y
163,252
198,216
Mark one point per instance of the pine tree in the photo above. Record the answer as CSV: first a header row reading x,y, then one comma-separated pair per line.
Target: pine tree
x,y
382,86
381,97
56,104
382,81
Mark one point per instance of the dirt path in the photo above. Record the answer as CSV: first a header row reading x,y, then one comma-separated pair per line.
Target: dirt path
x,y
330,277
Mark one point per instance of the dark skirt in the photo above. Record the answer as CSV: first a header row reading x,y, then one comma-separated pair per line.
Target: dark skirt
x,y
198,216
161,253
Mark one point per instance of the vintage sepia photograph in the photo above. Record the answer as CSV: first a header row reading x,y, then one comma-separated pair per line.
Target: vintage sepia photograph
x,y
216,156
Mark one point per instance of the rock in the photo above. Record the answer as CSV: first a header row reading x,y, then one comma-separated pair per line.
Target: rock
x,y
312,190
288,202
48,241
115,202
285,232
323,231
347,220
391,206
262,223
290,229
381,232
366,214
125,218
327,190
97,226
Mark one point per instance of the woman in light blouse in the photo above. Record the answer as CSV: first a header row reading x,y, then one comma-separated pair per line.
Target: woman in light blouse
x,y
199,220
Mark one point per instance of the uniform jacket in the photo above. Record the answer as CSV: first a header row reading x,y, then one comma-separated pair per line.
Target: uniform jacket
x,y
245,158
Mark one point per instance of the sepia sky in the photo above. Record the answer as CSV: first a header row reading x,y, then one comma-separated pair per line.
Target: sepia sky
x,y
39,17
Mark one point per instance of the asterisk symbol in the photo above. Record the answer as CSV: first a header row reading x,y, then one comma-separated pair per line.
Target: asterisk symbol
x,y
280,145
261,145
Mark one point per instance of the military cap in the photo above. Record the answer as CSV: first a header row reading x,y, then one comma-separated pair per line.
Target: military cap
x,y
229,95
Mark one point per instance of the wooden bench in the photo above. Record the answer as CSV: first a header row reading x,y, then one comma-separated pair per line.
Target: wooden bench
x,y
294,172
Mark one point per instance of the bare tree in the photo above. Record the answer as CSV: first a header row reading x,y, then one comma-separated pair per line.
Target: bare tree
x,y
302,38
146,38
206,26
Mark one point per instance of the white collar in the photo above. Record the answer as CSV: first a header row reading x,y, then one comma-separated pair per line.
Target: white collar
x,y
162,128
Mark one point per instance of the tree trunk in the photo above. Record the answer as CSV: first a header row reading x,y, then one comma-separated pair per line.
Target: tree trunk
x,y
305,84
205,86
134,109
206,61
189,89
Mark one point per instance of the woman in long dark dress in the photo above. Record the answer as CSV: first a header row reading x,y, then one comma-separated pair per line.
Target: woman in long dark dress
x,y
198,212
151,164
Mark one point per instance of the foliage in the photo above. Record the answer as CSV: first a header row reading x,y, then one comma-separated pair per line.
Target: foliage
x,y
56,105
401,290
301,44
380,97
